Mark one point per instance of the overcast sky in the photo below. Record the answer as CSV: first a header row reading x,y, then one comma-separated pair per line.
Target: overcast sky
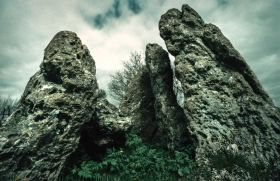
x,y
112,29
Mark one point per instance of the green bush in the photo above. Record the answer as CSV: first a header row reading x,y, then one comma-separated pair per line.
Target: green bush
x,y
136,161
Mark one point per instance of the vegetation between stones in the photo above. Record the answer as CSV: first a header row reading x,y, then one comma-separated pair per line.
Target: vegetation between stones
x,y
136,161
140,161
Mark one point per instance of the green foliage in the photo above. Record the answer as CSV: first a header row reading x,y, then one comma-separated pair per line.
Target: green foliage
x,y
139,161
136,161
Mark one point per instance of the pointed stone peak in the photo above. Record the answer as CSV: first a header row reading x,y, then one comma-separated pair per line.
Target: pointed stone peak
x,y
45,128
224,103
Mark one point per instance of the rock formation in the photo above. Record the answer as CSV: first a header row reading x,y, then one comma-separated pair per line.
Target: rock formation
x,y
169,115
44,130
106,128
138,104
225,104
60,110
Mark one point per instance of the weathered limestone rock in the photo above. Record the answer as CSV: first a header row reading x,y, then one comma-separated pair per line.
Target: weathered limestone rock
x,y
169,115
224,101
37,139
107,127
138,104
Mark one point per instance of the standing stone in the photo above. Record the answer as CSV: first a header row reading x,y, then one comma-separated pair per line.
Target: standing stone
x,y
224,101
37,139
138,104
170,116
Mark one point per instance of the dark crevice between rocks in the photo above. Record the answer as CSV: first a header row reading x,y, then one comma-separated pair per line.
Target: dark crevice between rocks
x,y
155,132
95,151
87,146
92,134
5,156
25,163
177,85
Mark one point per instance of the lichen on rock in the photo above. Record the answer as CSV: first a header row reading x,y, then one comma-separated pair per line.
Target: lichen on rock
x,y
169,115
138,104
225,106
225,103
57,101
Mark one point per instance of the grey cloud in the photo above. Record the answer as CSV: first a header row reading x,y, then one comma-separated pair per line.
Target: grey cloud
x,y
264,45
3,4
252,26
223,2
100,20
116,11
271,83
134,6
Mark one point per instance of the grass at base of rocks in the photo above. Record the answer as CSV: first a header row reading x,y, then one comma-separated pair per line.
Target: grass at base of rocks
x,y
136,161
139,161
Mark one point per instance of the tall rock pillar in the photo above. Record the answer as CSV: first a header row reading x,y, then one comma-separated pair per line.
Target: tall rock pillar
x,y
224,101
37,139
169,115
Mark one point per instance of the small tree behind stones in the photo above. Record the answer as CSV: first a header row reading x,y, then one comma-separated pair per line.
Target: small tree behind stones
x,y
119,80
7,105
118,83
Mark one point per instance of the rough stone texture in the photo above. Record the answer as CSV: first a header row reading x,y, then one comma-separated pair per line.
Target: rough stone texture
x,y
106,128
225,106
138,103
169,115
224,102
37,139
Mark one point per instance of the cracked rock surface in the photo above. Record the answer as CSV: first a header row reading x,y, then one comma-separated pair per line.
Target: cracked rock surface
x,y
106,128
225,106
169,115
37,139
225,103
138,104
